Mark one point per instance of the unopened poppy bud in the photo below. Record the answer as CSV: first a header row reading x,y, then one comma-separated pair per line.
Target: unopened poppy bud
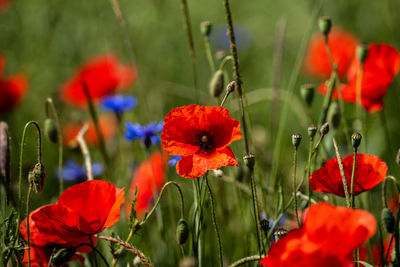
x,y
264,224
36,178
231,87
325,24
388,220
296,140
50,129
356,140
324,128
206,28
398,157
249,160
362,52
334,115
279,233
62,256
182,232
312,130
137,262
217,83
4,151
307,92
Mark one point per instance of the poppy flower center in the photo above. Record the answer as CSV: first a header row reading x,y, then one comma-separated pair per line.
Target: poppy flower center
x,y
205,141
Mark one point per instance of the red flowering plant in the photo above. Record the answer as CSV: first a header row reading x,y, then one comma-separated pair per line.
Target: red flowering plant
x,y
370,170
328,237
201,135
103,75
81,211
12,89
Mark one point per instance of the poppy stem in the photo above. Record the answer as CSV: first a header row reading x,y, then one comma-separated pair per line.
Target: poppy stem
x,y
345,188
209,55
50,108
352,178
188,28
39,155
214,221
295,187
247,260
93,114
96,250
27,225
85,151
327,99
94,255
309,169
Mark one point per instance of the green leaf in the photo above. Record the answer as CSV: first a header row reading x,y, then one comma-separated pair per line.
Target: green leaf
x,y
366,264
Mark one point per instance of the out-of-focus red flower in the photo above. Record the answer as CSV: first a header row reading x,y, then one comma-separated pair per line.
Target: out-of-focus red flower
x,y
201,135
375,256
370,171
12,89
327,238
4,4
103,75
108,127
149,178
342,45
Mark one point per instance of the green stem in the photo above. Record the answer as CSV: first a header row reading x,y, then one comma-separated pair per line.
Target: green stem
x,y
96,250
255,210
327,99
309,170
27,225
295,187
214,221
93,114
225,98
50,106
224,61
92,245
209,55
352,204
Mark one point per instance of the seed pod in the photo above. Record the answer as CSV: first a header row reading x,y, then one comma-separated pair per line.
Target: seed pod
x,y
231,87
312,130
279,233
325,24
362,52
206,28
334,115
217,83
388,220
249,160
356,140
4,152
296,140
182,232
36,178
324,128
50,129
307,92
62,256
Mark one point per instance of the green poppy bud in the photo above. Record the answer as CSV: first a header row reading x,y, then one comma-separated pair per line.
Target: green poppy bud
x,y
312,130
36,177
356,140
50,129
231,87
182,232
264,224
217,83
324,128
249,160
325,24
362,52
334,115
307,92
388,220
62,256
206,28
279,233
296,140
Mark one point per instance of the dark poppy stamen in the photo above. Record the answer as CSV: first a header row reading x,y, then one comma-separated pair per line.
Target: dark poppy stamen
x,y
205,141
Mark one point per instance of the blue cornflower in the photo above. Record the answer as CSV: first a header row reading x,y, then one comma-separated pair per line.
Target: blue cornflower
x,y
148,134
174,160
74,172
118,103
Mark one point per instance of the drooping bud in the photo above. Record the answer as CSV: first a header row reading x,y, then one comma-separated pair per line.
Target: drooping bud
x,y
307,92
182,232
50,129
325,25
62,256
388,220
356,140
279,233
206,28
231,87
312,130
296,140
362,52
324,128
398,157
4,152
36,177
249,160
334,115
217,83
137,262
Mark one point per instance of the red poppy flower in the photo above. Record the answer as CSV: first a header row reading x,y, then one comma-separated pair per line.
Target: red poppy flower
x,y
108,127
316,242
103,75
342,45
12,89
201,135
149,178
370,171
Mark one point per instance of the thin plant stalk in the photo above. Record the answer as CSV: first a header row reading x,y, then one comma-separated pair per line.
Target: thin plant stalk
x,y
310,149
85,151
295,187
246,260
352,204
214,221
209,55
27,225
94,254
345,187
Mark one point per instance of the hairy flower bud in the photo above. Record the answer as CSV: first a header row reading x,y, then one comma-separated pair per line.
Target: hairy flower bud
x,y
279,233
356,140
36,177
50,129
249,160
325,24
206,28
307,92
362,52
324,128
312,130
264,224
388,220
231,87
62,256
182,232
334,115
217,83
296,140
